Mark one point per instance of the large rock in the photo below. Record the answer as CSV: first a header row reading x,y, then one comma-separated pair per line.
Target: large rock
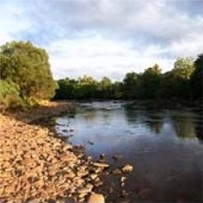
x,y
96,198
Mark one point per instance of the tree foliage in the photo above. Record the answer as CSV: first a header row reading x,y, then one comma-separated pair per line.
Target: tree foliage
x,y
104,89
150,83
25,76
27,66
183,81
86,87
196,81
131,84
9,94
66,89
176,83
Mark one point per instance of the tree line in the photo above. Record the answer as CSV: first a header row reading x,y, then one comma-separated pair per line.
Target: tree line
x,y
184,81
26,79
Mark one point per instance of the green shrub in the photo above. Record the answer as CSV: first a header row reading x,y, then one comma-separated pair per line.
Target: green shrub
x,y
9,94
30,102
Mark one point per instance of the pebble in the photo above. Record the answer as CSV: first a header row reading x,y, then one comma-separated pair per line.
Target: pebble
x,y
96,198
116,172
123,179
93,176
102,165
127,168
82,173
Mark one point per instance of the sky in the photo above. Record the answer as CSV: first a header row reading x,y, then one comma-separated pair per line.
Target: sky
x,y
106,37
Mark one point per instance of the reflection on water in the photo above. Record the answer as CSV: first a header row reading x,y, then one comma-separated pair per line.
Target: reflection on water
x,y
165,146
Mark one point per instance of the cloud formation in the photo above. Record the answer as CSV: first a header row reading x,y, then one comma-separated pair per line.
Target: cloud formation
x,y
106,37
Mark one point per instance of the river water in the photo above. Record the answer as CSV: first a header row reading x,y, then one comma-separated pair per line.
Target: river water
x,y
164,146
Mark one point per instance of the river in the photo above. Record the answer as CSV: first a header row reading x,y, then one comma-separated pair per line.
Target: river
x,y
164,146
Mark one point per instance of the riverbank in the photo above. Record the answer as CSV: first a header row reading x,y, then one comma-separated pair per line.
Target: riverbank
x,y
39,165
49,109
35,164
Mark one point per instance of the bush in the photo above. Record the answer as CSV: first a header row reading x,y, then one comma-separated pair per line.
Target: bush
x,y
9,94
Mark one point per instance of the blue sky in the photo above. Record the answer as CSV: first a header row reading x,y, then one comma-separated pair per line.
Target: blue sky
x,y
106,37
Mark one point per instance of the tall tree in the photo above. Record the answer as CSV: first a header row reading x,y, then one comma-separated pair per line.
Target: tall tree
x,y
150,83
176,83
183,69
27,66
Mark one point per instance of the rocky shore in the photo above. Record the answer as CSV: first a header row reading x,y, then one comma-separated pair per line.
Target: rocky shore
x,y
37,166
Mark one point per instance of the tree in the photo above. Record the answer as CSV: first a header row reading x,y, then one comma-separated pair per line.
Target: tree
x,y
66,89
168,85
196,81
176,83
117,90
131,84
104,88
105,83
184,67
86,87
27,66
150,83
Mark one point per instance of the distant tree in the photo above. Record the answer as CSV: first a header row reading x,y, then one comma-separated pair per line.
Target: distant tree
x,y
168,85
183,81
150,83
180,77
105,83
176,83
86,87
27,66
183,68
104,90
131,84
117,90
196,80
66,89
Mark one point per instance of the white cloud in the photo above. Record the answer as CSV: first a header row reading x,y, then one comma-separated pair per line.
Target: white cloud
x,y
12,20
188,46
105,37
5,37
98,56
